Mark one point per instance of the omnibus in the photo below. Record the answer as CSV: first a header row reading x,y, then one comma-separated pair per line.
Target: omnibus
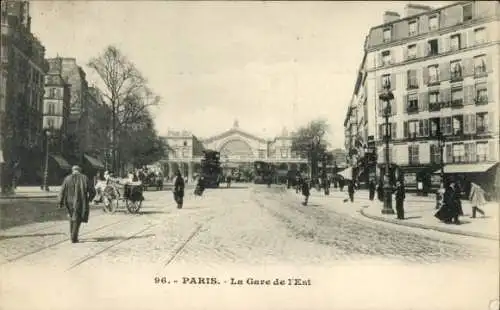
x,y
263,172
211,169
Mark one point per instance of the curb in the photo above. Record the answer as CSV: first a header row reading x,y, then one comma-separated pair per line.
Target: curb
x,y
422,226
27,197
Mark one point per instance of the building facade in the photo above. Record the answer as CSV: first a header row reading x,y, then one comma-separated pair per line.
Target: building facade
x,y
237,148
442,65
23,67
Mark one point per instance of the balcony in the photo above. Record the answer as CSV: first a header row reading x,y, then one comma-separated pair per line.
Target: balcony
x,y
456,76
480,71
412,109
481,100
459,159
433,107
481,130
457,103
412,135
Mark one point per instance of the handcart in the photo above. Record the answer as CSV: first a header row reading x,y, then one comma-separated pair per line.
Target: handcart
x,y
117,196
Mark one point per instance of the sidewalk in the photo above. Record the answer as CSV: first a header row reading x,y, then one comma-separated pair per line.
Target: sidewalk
x,y
419,213
26,192
422,216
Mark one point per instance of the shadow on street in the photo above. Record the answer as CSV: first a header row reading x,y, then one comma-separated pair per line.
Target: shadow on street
x,y
29,235
116,238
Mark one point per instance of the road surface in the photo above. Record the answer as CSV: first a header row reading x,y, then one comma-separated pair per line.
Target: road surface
x,y
231,245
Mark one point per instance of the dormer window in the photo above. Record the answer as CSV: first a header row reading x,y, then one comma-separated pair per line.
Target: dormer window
x,y
387,34
467,12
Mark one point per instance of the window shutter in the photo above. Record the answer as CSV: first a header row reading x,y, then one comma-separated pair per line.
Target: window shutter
x,y
444,44
394,107
466,124
423,102
405,129
468,67
463,40
444,71
491,122
421,49
394,130
380,132
379,60
425,75
405,53
489,65
426,127
490,91
380,84
393,81
449,153
470,38
492,151
469,95
442,123
405,104
409,153
473,152
444,96
472,123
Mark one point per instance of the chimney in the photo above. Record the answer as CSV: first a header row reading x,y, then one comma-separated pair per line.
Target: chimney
x,y
390,16
415,9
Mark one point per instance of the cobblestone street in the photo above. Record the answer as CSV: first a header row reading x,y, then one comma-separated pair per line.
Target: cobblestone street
x,y
245,227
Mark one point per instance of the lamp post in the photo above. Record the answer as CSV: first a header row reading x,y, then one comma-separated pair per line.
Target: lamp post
x,y
387,96
46,168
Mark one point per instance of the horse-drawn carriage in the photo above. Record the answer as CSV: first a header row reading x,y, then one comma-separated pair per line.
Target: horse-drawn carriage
x,y
116,195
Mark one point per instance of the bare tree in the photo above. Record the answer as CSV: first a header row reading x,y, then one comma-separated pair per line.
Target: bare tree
x,y
126,92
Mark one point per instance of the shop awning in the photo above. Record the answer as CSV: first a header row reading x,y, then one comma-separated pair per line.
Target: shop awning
x,y
467,168
63,163
96,163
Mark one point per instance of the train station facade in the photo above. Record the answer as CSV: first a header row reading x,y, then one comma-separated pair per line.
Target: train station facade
x,y
237,148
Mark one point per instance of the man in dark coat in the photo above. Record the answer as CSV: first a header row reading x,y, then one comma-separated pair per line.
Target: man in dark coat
x,y
76,193
400,197
305,191
179,190
371,188
350,189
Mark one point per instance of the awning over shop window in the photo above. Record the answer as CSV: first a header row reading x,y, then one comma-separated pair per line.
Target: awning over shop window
x,y
96,163
63,163
467,168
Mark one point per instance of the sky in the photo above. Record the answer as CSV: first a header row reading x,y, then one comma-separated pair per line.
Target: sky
x,y
268,65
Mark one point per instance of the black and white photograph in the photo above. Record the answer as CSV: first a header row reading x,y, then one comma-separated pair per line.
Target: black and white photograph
x,y
295,155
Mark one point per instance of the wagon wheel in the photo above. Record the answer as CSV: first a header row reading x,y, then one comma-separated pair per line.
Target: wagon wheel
x,y
134,206
110,205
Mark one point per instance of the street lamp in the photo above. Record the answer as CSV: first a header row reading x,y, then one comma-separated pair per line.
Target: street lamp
x,y
387,96
46,170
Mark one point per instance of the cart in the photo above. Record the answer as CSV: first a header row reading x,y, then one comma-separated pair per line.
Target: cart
x,y
119,196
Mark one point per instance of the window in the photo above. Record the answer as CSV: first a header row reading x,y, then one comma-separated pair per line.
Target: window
x,y
470,152
481,93
412,28
284,153
434,127
51,110
412,51
387,34
445,124
434,101
412,79
433,74
455,42
386,80
432,47
467,12
50,123
413,129
434,22
482,151
481,123
435,154
457,96
412,103
386,58
413,154
479,65
479,36
456,70
52,93
458,122
458,152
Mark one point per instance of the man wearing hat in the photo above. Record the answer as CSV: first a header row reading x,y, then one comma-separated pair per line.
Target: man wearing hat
x,y
76,193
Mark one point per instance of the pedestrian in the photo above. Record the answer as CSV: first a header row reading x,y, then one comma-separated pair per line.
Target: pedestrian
x,y
179,190
341,184
228,180
326,186
440,195
350,190
400,197
477,199
371,188
76,193
450,210
305,191
380,191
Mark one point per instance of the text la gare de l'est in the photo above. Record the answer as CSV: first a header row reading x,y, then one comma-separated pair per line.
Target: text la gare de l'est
x,y
246,281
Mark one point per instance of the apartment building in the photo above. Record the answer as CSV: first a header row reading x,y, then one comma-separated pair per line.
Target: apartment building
x,y
442,65
21,95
